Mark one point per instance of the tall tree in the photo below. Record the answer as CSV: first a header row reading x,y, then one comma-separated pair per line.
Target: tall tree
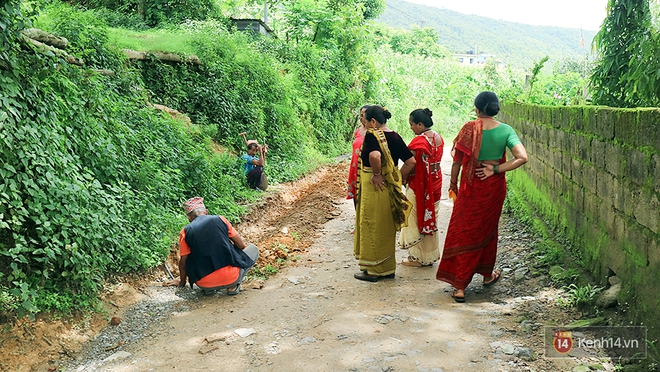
x,y
624,52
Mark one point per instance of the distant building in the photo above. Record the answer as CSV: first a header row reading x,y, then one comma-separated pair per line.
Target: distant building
x,y
256,26
472,59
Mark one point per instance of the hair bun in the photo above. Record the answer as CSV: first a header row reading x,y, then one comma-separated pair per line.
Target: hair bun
x,y
492,108
428,112
386,113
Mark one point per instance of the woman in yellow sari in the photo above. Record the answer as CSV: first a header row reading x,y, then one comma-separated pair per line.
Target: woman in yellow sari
x,y
382,207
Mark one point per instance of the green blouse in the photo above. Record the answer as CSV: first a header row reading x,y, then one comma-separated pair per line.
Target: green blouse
x,y
495,141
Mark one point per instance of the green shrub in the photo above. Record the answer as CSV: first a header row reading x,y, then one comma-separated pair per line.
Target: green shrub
x,y
85,31
92,179
157,12
289,96
114,18
581,297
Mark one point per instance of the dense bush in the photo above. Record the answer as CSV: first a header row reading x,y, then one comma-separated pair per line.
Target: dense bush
x,y
296,97
91,178
154,12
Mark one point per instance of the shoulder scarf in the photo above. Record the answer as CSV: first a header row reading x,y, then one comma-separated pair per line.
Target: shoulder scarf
x,y
351,189
468,141
399,204
421,184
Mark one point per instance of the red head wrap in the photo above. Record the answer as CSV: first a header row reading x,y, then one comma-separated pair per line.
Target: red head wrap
x,y
193,203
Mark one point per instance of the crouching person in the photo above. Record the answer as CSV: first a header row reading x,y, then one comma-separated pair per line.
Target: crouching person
x,y
213,254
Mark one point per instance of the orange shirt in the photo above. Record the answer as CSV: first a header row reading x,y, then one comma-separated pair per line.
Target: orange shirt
x,y
223,276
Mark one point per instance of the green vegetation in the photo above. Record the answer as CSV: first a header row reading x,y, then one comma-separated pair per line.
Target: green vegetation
x,y
156,39
410,71
93,175
264,272
581,297
515,44
92,178
628,44
561,277
153,12
653,355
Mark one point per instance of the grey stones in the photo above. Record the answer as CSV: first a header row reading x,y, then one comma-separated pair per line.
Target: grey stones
x,y
520,274
608,298
526,354
512,351
508,349
117,356
244,332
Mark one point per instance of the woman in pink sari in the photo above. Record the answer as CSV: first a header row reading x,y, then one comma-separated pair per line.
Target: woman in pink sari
x,y
420,237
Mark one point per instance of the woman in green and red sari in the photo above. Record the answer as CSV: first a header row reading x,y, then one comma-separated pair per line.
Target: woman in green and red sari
x,y
480,156
382,208
424,189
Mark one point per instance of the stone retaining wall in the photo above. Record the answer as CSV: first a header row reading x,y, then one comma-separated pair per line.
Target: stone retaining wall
x,y
594,176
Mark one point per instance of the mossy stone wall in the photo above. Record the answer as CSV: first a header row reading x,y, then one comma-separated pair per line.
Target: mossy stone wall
x,y
594,176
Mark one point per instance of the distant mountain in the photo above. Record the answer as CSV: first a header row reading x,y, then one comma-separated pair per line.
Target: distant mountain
x,y
516,44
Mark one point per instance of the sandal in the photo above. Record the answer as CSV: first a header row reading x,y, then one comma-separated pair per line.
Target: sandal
x,y
409,262
494,277
233,292
362,275
460,299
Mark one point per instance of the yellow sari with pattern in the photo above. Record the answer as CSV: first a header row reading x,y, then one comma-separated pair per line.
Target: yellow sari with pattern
x,y
379,214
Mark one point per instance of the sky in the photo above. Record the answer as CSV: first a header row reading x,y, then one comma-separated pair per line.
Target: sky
x,y
585,14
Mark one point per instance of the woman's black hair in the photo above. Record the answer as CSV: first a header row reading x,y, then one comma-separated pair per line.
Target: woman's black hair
x,y
422,116
377,112
487,103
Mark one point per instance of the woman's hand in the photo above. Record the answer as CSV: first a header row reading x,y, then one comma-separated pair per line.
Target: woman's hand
x,y
378,181
173,283
453,186
485,172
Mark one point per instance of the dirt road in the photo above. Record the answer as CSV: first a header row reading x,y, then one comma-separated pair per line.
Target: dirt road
x,y
314,316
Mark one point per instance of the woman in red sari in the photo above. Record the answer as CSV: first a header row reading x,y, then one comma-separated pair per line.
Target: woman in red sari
x,y
358,138
480,156
424,189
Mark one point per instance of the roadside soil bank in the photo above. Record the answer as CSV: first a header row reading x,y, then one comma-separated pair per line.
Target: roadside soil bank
x,y
312,315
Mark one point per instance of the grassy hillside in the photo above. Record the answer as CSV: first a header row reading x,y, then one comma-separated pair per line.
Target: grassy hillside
x,y
516,44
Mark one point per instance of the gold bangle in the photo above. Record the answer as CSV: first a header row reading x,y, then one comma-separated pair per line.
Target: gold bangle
x,y
378,174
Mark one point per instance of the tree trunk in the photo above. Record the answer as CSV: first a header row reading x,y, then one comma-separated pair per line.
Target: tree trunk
x,y
142,4
46,38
